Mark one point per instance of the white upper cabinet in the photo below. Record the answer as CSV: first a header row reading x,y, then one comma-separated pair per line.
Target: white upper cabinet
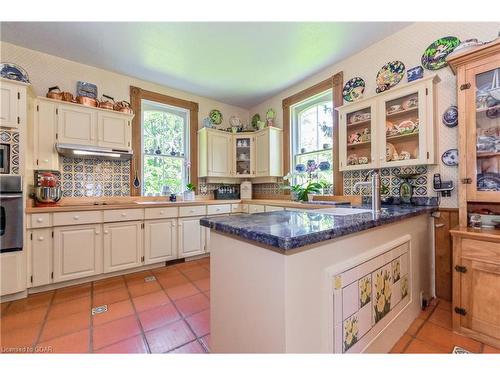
x,y
45,128
9,110
223,154
76,125
393,129
114,130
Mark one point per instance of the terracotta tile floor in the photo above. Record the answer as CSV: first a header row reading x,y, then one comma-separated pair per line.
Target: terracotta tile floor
x,y
169,314
431,332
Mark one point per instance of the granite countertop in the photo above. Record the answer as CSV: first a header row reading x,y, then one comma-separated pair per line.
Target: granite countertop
x,y
287,230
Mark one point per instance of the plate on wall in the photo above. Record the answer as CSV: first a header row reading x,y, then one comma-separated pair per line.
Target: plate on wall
x,y
434,56
13,72
450,157
215,116
353,89
390,75
450,116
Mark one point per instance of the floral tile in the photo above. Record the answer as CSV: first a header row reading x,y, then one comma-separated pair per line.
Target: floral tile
x,y
404,286
365,290
381,292
396,270
351,331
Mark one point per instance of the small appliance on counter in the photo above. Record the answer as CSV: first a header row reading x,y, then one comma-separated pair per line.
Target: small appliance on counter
x,y
47,191
246,190
226,192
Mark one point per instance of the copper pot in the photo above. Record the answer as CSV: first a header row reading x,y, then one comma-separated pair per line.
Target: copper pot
x,y
67,96
123,106
90,102
107,104
55,93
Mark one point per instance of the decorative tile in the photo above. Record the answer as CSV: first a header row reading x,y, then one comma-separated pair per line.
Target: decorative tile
x,y
365,290
381,292
350,299
396,270
351,330
11,138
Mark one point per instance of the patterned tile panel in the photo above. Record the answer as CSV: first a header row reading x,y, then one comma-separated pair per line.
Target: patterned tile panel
x,y
11,138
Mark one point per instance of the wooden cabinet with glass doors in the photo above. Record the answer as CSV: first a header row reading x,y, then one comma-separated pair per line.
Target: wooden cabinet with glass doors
x,y
478,83
392,129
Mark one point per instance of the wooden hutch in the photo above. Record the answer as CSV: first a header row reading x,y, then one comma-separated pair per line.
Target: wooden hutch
x,y
476,252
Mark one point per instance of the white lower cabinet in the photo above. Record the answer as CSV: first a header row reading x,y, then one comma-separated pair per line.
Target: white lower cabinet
x,y
40,256
122,245
12,272
191,237
77,252
160,240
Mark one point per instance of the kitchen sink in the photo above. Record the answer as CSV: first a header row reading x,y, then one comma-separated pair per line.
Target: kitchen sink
x,y
342,211
153,202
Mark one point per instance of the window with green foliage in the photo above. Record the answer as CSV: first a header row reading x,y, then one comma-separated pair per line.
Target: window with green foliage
x,y
165,145
312,135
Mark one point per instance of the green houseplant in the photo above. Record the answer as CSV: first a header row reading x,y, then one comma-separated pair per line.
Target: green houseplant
x,y
189,194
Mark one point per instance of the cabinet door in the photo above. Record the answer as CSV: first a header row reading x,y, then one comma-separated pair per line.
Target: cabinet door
x,y
357,137
45,136
41,256
191,237
113,130
122,245
12,272
207,235
408,120
9,110
483,132
160,243
244,156
77,252
479,297
262,154
76,125
219,154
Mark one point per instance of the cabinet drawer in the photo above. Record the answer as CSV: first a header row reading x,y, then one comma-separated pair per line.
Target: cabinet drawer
x,y
274,208
239,207
160,212
40,220
77,217
124,215
192,211
481,250
217,209
255,208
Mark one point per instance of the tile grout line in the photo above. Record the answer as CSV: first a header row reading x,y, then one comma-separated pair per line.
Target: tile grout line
x,y
414,337
143,333
44,321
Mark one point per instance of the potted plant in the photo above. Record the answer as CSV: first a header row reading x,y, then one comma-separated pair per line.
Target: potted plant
x,y
189,194
306,184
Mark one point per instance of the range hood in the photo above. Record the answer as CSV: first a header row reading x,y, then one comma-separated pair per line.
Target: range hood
x,y
79,151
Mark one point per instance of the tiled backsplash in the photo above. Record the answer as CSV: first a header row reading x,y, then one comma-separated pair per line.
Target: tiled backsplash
x,y
12,139
95,177
390,179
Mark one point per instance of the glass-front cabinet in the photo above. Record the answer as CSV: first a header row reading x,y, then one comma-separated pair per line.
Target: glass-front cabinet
x,y
483,134
244,158
356,134
392,129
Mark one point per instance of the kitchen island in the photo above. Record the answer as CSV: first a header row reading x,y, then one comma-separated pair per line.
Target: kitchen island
x,y
330,281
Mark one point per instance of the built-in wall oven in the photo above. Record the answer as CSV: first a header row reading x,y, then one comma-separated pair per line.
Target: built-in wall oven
x,y
11,213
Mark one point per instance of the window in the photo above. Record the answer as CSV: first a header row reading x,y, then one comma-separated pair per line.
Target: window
x,y
165,148
312,134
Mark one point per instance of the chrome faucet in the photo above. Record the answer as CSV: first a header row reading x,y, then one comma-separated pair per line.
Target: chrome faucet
x,y
375,184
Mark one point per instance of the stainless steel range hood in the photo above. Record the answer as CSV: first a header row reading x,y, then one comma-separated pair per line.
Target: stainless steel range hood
x,y
79,151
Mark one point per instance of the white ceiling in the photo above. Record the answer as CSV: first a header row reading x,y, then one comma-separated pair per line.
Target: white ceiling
x,y
236,63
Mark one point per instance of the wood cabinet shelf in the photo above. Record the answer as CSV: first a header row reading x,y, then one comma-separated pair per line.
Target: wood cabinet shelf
x,y
402,136
402,112
487,155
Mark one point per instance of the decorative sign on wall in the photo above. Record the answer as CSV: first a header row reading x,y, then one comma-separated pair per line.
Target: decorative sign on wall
x,y
368,296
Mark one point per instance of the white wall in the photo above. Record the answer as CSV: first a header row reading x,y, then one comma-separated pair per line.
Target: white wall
x,y
47,70
406,45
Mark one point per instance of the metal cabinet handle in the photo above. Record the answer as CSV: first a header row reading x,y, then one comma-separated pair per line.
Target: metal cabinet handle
x,y
217,209
39,220
40,238
438,225
162,212
106,232
45,160
124,214
97,232
76,217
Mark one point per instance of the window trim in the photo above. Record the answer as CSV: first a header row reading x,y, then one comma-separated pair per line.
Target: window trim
x,y
186,136
335,84
136,96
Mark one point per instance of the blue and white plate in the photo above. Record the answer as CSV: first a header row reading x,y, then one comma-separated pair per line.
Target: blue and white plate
x,y
353,89
450,116
86,89
13,72
450,157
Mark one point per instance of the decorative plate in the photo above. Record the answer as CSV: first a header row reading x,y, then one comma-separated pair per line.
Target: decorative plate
x,y
450,157
86,89
434,56
270,114
215,116
13,72
353,89
488,181
450,116
406,192
390,75
390,152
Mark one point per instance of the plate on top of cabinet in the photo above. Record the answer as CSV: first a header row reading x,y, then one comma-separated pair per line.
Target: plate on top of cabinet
x,y
389,75
434,56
